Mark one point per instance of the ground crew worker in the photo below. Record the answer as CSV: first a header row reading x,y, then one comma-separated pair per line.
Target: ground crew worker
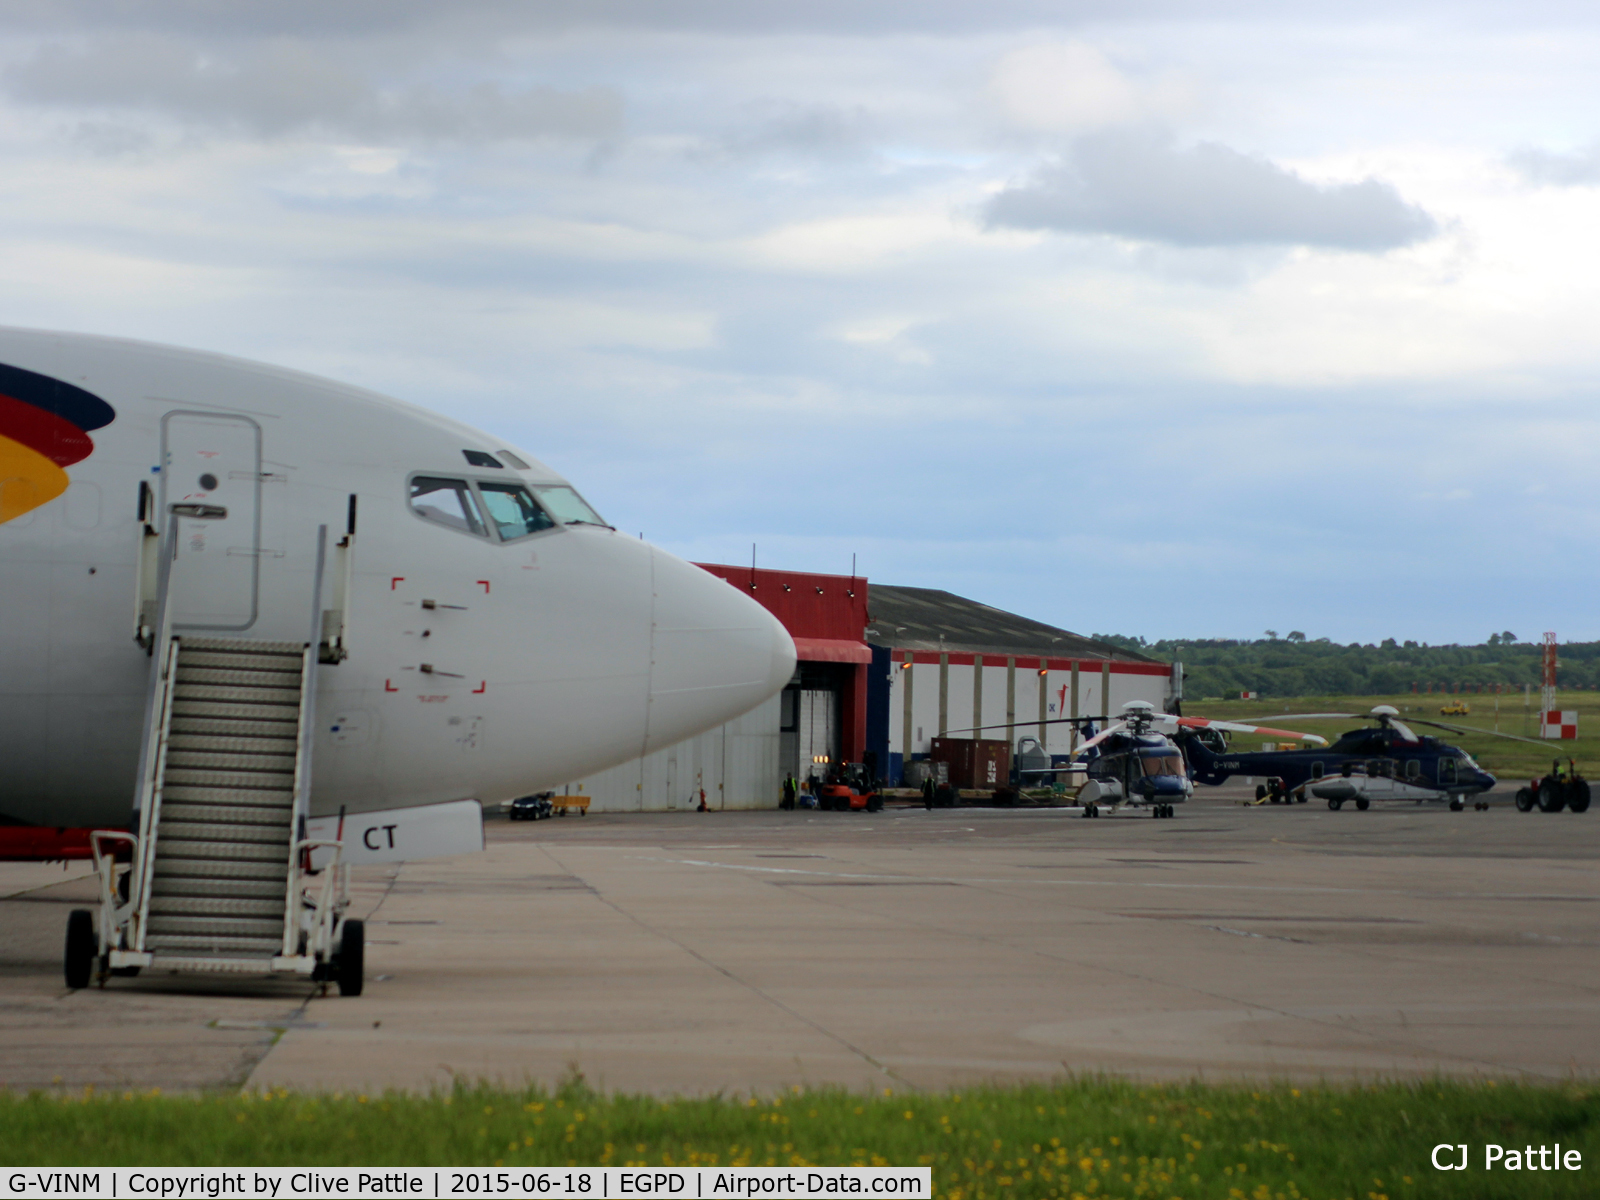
x,y
927,792
789,791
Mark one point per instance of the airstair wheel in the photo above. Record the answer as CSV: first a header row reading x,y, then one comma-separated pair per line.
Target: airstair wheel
x,y
352,963
82,948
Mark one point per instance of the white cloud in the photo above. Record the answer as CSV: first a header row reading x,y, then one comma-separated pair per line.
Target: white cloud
x,y
1072,87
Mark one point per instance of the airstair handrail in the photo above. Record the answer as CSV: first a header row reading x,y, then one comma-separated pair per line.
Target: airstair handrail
x,y
305,738
157,717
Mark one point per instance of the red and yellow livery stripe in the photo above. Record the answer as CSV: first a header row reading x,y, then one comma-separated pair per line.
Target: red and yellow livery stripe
x,y
44,428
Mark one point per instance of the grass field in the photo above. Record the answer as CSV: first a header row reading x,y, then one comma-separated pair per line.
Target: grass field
x,y
1509,760
1091,1138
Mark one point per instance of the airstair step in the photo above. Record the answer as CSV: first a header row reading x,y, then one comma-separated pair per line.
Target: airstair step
x,y
184,812
231,927
169,848
188,873
223,660
234,742
253,797
235,694
202,709
228,728
214,945
208,887
190,676
228,760
271,780
241,645
222,831
262,908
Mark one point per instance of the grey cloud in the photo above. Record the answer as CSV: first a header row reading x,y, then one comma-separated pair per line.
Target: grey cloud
x,y
283,86
1139,186
297,17
793,129
1560,170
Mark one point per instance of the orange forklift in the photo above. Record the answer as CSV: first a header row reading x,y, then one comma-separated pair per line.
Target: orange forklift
x,y
849,787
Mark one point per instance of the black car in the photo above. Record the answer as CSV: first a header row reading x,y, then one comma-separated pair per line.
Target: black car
x,y
532,808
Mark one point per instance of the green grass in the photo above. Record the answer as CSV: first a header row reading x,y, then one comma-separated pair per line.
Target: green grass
x,y
1510,761
1090,1137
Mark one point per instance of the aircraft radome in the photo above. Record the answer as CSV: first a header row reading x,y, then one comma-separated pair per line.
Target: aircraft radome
x,y
485,633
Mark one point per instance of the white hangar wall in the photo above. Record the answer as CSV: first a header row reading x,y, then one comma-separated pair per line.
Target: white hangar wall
x,y
946,695
737,765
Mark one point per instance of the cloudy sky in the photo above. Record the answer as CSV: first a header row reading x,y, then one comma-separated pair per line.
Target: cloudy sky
x,y
1174,319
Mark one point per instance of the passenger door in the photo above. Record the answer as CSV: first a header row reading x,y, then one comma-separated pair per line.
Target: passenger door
x,y
211,482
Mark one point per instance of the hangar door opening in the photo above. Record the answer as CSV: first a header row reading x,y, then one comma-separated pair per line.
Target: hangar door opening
x,y
810,728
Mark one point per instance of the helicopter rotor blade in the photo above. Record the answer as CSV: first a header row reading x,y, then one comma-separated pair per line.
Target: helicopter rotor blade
x,y
1030,724
1239,727
1486,732
1320,717
1101,736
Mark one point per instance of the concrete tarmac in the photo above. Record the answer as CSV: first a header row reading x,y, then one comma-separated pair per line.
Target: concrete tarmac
x,y
746,952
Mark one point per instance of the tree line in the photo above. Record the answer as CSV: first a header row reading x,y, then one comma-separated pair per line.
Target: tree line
x,y
1294,665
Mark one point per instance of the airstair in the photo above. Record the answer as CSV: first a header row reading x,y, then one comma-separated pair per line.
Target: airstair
x,y
219,876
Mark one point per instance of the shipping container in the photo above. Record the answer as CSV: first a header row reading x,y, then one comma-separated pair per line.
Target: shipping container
x,y
974,763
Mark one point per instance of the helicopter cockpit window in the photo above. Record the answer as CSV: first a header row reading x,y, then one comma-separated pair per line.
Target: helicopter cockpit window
x,y
1162,764
1413,769
1447,770
566,506
446,502
512,511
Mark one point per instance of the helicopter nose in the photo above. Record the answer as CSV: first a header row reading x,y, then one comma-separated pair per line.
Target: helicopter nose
x,y
714,652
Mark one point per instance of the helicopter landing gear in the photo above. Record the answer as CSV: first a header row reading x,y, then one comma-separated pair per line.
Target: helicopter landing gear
x,y
1362,803
1335,805
1457,804
1091,809
1161,810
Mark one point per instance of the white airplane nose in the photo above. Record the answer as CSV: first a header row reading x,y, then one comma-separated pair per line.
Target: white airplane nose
x,y
714,653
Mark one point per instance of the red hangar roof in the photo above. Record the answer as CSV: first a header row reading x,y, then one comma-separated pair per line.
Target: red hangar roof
x,y
825,614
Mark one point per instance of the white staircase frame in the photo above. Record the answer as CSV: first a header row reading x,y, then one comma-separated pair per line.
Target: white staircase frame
x,y
311,922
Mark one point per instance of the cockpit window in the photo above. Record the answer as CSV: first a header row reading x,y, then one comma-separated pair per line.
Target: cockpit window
x,y
446,501
512,511
479,459
566,506
1162,764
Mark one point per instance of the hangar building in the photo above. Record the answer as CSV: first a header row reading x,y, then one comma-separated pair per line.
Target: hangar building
x,y
881,672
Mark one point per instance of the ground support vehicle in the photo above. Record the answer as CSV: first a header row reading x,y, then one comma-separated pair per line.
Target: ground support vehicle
x,y
537,807
849,787
1277,791
219,876
1554,792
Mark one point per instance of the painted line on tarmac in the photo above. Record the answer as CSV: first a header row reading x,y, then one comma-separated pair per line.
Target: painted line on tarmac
x,y
1113,883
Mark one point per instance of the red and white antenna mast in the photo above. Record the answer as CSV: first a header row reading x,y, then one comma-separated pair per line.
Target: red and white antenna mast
x,y
1547,690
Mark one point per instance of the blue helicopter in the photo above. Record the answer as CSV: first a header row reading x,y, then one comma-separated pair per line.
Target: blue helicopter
x,y
1388,761
1136,761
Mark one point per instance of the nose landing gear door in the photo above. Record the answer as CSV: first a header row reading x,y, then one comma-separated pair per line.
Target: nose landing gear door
x,y
211,483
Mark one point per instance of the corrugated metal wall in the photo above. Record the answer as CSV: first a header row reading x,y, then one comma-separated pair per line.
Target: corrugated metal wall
x,y
737,765
923,679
